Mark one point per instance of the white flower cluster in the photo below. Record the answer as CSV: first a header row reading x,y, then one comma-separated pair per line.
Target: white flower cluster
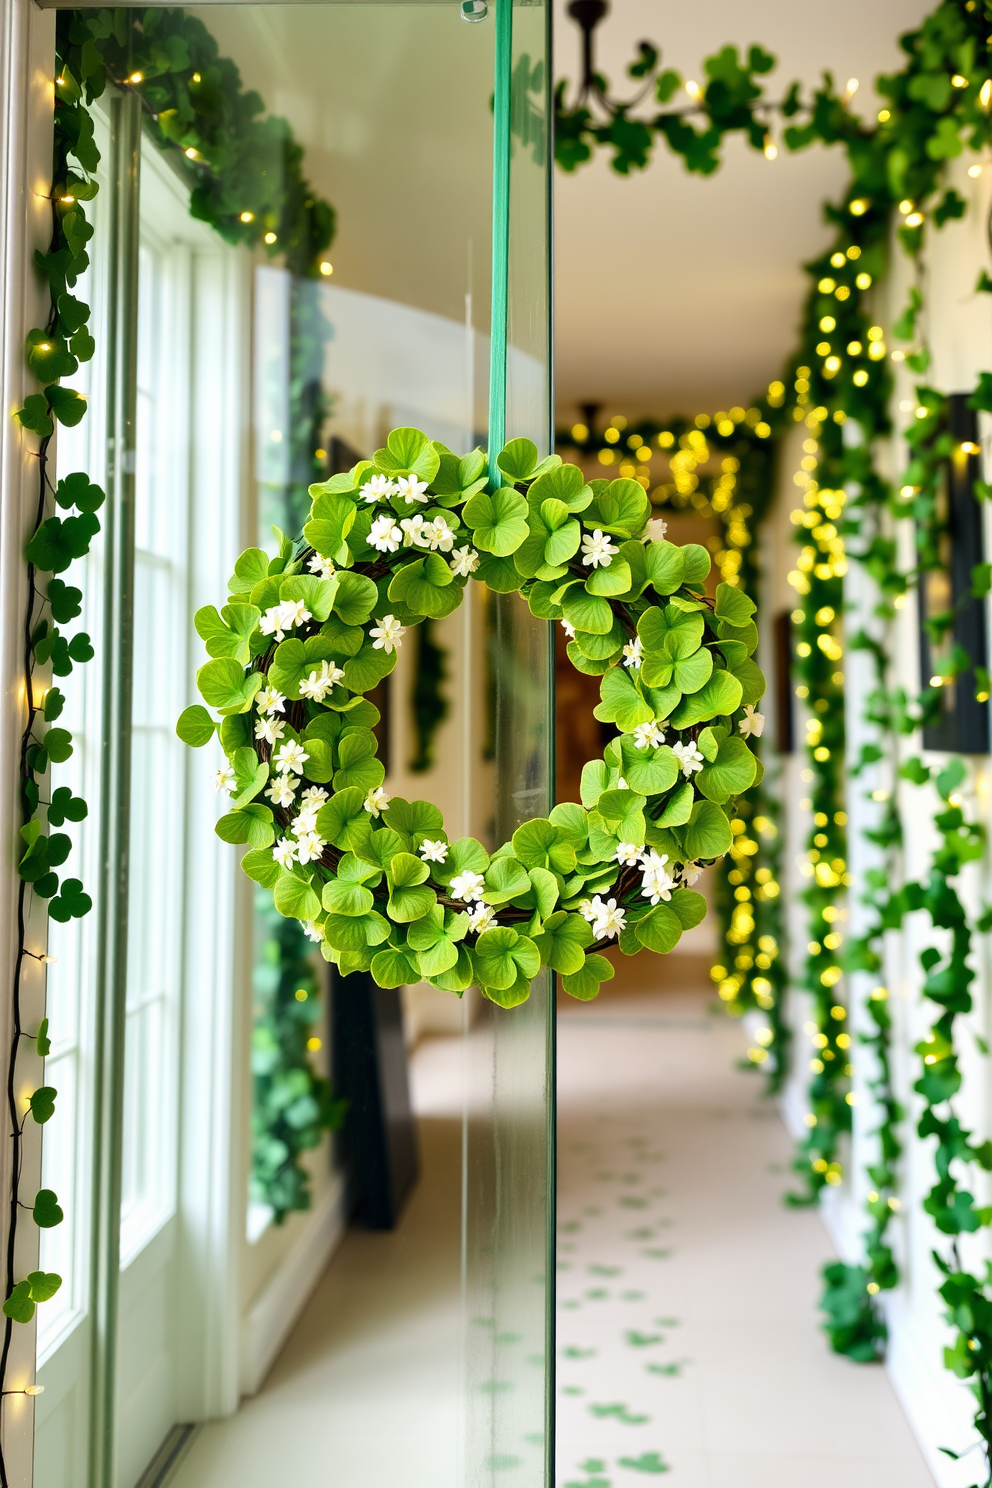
x,y
597,550
633,654
386,536
690,757
657,879
605,916
282,617
322,567
752,722
320,682
648,735
469,888
381,487
305,845
388,635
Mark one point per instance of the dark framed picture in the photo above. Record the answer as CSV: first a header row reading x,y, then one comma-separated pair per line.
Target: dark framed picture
x,y
951,619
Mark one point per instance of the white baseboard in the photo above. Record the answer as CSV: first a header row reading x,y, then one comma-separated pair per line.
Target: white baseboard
x,y
938,1406
274,1312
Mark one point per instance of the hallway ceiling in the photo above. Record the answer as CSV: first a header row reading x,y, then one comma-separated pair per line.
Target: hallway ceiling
x,y
676,292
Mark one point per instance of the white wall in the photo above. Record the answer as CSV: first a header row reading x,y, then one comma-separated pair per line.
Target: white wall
x,y
958,325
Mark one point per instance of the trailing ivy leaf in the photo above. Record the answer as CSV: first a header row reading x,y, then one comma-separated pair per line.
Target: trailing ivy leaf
x,y
409,897
498,521
426,586
64,806
54,704
64,600
295,898
42,1104
59,540
519,461
79,491
394,968
19,1305
42,1043
731,773
195,726
48,356
585,983
732,605
621,703
68,406
224,685
252,824
408,452
563,941
708,833
44,1285
251,568
720,697
34,417
72,902
46,1211
58,745
660,929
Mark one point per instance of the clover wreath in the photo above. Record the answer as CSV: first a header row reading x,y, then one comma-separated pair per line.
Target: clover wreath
x,y
374,878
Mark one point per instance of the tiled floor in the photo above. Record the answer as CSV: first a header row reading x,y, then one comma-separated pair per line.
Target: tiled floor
x,y
688,1336
366,1392
689,1346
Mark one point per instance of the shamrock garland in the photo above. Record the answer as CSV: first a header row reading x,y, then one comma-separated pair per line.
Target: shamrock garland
x,y
375,879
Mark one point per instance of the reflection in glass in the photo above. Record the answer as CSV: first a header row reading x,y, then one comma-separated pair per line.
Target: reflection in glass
x,y
252,382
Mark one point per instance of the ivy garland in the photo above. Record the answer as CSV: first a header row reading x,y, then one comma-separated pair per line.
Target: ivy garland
x,y
53,351
243,166
937,106
374,878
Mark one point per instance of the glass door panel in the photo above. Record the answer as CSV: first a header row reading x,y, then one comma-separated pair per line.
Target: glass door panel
x,y
510,1121
249,380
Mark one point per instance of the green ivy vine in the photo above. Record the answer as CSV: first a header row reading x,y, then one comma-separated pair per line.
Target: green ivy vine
x,y
65,524
935,108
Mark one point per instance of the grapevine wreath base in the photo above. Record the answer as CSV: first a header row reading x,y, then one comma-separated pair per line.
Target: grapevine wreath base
x,y
375,880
